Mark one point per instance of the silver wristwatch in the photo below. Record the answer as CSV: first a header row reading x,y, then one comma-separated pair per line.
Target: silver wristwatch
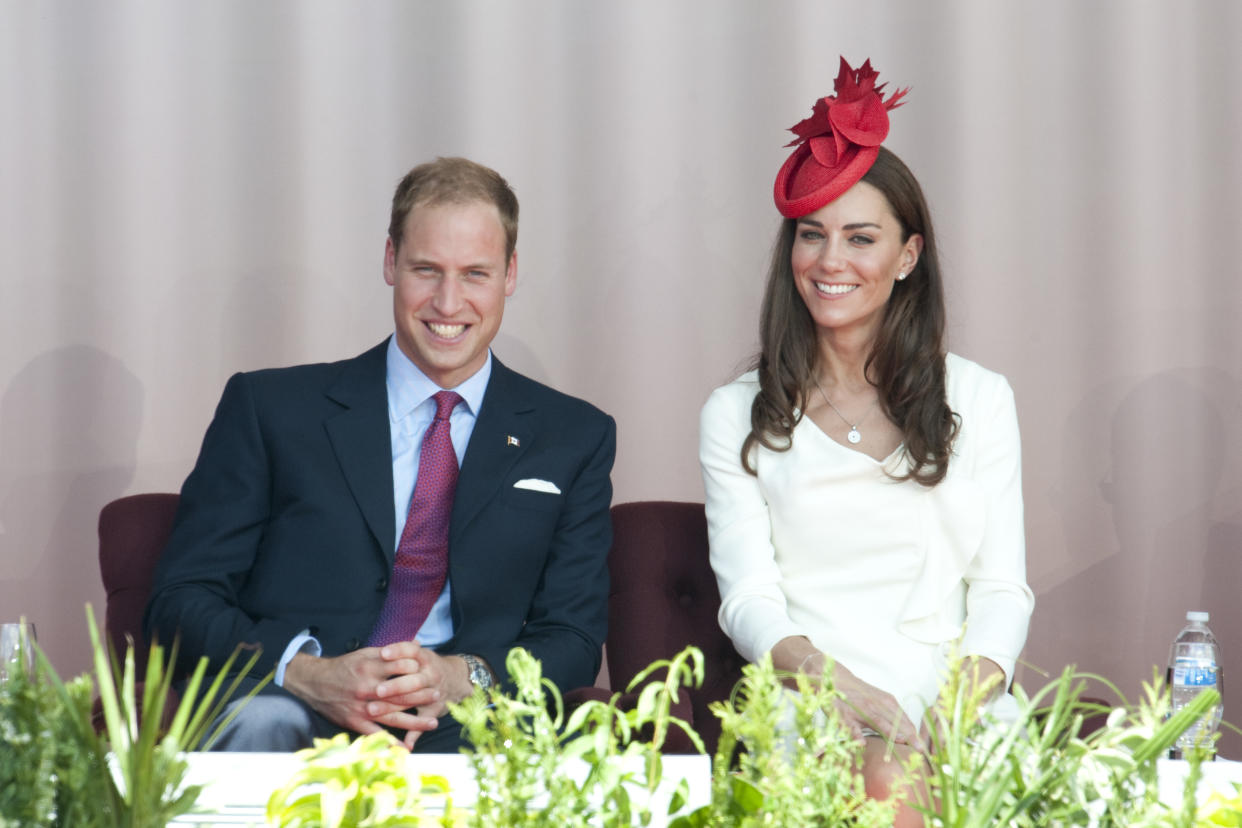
x,y
480,675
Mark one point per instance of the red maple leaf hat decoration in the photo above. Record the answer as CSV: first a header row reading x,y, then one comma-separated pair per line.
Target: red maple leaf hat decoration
x,y
837,144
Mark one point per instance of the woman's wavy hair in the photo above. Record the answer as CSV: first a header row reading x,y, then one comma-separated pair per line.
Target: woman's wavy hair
x,y
906,363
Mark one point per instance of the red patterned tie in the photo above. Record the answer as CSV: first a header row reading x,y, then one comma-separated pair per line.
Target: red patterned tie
x,y
421,565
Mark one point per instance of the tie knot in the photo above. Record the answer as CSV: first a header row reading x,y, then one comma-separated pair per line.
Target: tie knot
x,y
446,401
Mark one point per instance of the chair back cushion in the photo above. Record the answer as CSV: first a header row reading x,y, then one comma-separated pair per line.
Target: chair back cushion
x,y
664,597
132,534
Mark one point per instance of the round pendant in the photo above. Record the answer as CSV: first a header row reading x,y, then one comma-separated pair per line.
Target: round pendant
x,y
853,436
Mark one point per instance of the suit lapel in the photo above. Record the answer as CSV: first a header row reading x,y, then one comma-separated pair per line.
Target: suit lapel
x,y
491,453
360,438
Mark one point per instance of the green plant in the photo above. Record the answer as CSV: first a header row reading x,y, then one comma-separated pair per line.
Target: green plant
x,y
358,784
1042,769
65,773
43,780
785,759
1221,810
536,767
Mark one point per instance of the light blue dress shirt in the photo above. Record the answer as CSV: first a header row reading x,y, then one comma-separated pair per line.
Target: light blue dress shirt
x,y
410,411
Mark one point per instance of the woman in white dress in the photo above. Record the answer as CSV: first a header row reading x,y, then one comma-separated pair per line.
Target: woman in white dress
x,y
863,486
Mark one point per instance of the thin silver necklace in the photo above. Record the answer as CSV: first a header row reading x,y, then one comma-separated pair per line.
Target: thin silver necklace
x,y
854,435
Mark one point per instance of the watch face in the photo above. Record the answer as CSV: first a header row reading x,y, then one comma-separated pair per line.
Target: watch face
x,y
479,676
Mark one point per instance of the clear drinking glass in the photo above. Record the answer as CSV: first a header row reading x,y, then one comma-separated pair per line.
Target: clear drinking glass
x,y
16,648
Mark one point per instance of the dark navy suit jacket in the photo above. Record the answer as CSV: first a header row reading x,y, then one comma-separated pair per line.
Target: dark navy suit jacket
x,y
286,522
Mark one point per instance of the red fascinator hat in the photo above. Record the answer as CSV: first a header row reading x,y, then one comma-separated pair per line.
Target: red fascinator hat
x,y
837,144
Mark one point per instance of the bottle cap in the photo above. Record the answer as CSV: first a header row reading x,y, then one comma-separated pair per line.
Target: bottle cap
x,y
1197,616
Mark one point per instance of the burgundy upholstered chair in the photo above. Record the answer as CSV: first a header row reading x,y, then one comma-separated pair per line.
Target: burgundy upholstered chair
x,y
664,597
132,534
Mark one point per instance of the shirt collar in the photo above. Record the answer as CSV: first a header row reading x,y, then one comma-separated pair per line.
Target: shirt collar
x,y
408,387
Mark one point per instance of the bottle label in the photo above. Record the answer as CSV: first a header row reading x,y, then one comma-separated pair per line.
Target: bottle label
x,y
1194,673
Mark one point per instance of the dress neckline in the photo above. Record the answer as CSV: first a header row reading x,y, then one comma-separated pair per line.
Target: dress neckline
x,y
853,451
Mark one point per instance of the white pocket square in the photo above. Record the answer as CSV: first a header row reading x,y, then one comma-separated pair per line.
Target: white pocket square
x,y
536,485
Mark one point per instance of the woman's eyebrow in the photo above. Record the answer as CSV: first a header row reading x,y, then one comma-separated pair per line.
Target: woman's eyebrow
x,y
858,225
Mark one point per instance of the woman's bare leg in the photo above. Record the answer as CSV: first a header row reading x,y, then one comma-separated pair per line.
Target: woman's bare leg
x,y
887,771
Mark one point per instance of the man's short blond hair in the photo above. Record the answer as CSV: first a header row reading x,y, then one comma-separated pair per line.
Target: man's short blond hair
x,y
454,181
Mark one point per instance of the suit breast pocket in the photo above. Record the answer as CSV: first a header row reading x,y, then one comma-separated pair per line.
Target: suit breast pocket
x,y
530,499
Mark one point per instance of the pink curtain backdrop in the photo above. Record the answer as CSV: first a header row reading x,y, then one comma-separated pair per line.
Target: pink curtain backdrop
x,y
196,188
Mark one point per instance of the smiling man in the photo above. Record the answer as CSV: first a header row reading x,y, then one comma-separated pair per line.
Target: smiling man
x,y
386,528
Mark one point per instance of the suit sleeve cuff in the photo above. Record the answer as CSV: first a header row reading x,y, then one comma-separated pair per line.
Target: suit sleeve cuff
x,y
303,642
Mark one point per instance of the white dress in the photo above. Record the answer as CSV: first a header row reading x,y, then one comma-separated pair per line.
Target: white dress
x,y
886,577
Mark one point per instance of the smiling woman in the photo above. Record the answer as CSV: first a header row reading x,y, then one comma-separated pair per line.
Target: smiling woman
x,y
846,257
854,311
863,486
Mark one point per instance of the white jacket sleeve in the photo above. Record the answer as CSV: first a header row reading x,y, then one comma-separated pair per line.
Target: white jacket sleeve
x,y
752,608
998,600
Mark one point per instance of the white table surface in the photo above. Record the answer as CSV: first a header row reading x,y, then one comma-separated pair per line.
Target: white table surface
x,y
237,785
1218,777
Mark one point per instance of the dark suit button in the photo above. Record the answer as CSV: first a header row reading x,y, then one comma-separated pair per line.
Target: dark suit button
x,y
381,584
353,644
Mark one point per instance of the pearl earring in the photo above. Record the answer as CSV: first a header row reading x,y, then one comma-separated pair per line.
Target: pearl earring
x,y
901,276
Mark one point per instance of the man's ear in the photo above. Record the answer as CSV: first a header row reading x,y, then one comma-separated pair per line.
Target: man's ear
x,y
390,262
511,275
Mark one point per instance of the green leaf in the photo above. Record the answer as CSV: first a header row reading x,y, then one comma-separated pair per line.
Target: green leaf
x,y
698,818
678,799
747,797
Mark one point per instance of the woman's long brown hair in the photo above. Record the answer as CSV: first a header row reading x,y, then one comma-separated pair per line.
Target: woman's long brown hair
x,y
906,363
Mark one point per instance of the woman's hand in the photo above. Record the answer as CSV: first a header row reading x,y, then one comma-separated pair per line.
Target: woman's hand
x,y
981,677
862,705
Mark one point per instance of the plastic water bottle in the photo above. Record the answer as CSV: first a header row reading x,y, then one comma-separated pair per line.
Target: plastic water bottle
x,y
1194,666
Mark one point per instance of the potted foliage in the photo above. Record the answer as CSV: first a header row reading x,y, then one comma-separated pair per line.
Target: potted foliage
x,y
526,749
361,783
786,759
1046,769
57,770
1040,769
43,778
534,763
783,759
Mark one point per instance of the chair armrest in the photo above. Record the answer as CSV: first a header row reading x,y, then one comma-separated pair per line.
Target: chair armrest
x,y
574,698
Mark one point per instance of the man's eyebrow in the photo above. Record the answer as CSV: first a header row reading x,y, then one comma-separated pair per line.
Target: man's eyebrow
x,y
416,261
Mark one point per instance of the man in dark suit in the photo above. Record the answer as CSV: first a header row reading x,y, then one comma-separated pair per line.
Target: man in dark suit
x,y
382,571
